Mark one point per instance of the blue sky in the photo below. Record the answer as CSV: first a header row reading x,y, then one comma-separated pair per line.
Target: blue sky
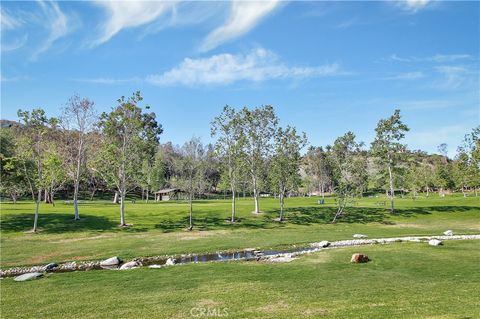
x,y
327,67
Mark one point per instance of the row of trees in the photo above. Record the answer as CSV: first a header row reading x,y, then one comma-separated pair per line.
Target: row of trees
x,y
120,151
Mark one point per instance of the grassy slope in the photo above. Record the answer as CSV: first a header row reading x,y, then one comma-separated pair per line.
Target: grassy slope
x,y
402,281
158,228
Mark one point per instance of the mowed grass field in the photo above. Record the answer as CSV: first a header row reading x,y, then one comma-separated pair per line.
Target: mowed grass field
x,y
159,228
403,280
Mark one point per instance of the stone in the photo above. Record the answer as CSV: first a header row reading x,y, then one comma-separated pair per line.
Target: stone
x,y
170,262
281,259
155,266
359,236
50,267
113,261
324,244
28,276
359,258
435,242
130,265
448,233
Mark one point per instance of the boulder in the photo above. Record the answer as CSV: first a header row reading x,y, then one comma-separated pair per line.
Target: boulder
x,y
28,276
448,233
130,265
170,262
155,266
359,236
324,244
359,258
435,242
110,262
50,267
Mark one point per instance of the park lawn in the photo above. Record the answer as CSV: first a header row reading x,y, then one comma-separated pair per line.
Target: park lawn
x,y
403,280
159,228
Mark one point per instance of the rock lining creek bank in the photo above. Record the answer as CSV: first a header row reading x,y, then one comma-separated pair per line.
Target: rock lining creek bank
x,y
286,255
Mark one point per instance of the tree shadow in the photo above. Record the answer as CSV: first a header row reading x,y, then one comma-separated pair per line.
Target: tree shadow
x,y
54,223
325,215
214,223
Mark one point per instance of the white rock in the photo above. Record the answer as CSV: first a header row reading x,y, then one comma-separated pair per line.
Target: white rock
x,y
155,266
130,265
448,233
359,236
435,242
170,262
281,259
29,276
113,261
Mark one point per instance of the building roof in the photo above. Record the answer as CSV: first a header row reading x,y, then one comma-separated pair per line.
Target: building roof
x,y
167,190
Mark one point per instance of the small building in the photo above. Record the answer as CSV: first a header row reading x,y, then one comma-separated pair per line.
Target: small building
x,y
166,194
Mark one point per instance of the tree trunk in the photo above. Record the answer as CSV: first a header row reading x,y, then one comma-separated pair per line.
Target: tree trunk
x,y
76,216
14,198
282,196
392,192
233,205
122,209
51,199
37,205
342,203
191,211
255,195
147,196
115,198
93,193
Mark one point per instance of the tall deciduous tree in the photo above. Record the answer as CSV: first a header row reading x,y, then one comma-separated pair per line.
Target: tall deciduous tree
x,y
35,136
121,154
317,168
387,147
78,120
285,164
259,127
12,176
349,170
230,141
190,169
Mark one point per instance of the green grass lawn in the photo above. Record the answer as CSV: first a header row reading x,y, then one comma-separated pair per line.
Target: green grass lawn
x,y
159,228
403,280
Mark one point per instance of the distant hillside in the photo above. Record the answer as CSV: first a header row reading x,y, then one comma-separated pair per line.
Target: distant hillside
x,y
8,123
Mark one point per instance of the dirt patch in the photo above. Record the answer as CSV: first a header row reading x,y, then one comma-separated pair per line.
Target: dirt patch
x,y
275,307
315,312
72,240
198,234
318,258
41,258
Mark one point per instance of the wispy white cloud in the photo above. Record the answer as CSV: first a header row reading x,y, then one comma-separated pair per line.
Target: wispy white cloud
x,y
455,76
109,81
412,6
437,58
8,21
14,45
129,14
13,78
244,15
56,22
407,76
222,69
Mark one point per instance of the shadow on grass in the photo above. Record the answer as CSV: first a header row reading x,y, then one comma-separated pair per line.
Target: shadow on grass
x,y
360,215
215,223
54,223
